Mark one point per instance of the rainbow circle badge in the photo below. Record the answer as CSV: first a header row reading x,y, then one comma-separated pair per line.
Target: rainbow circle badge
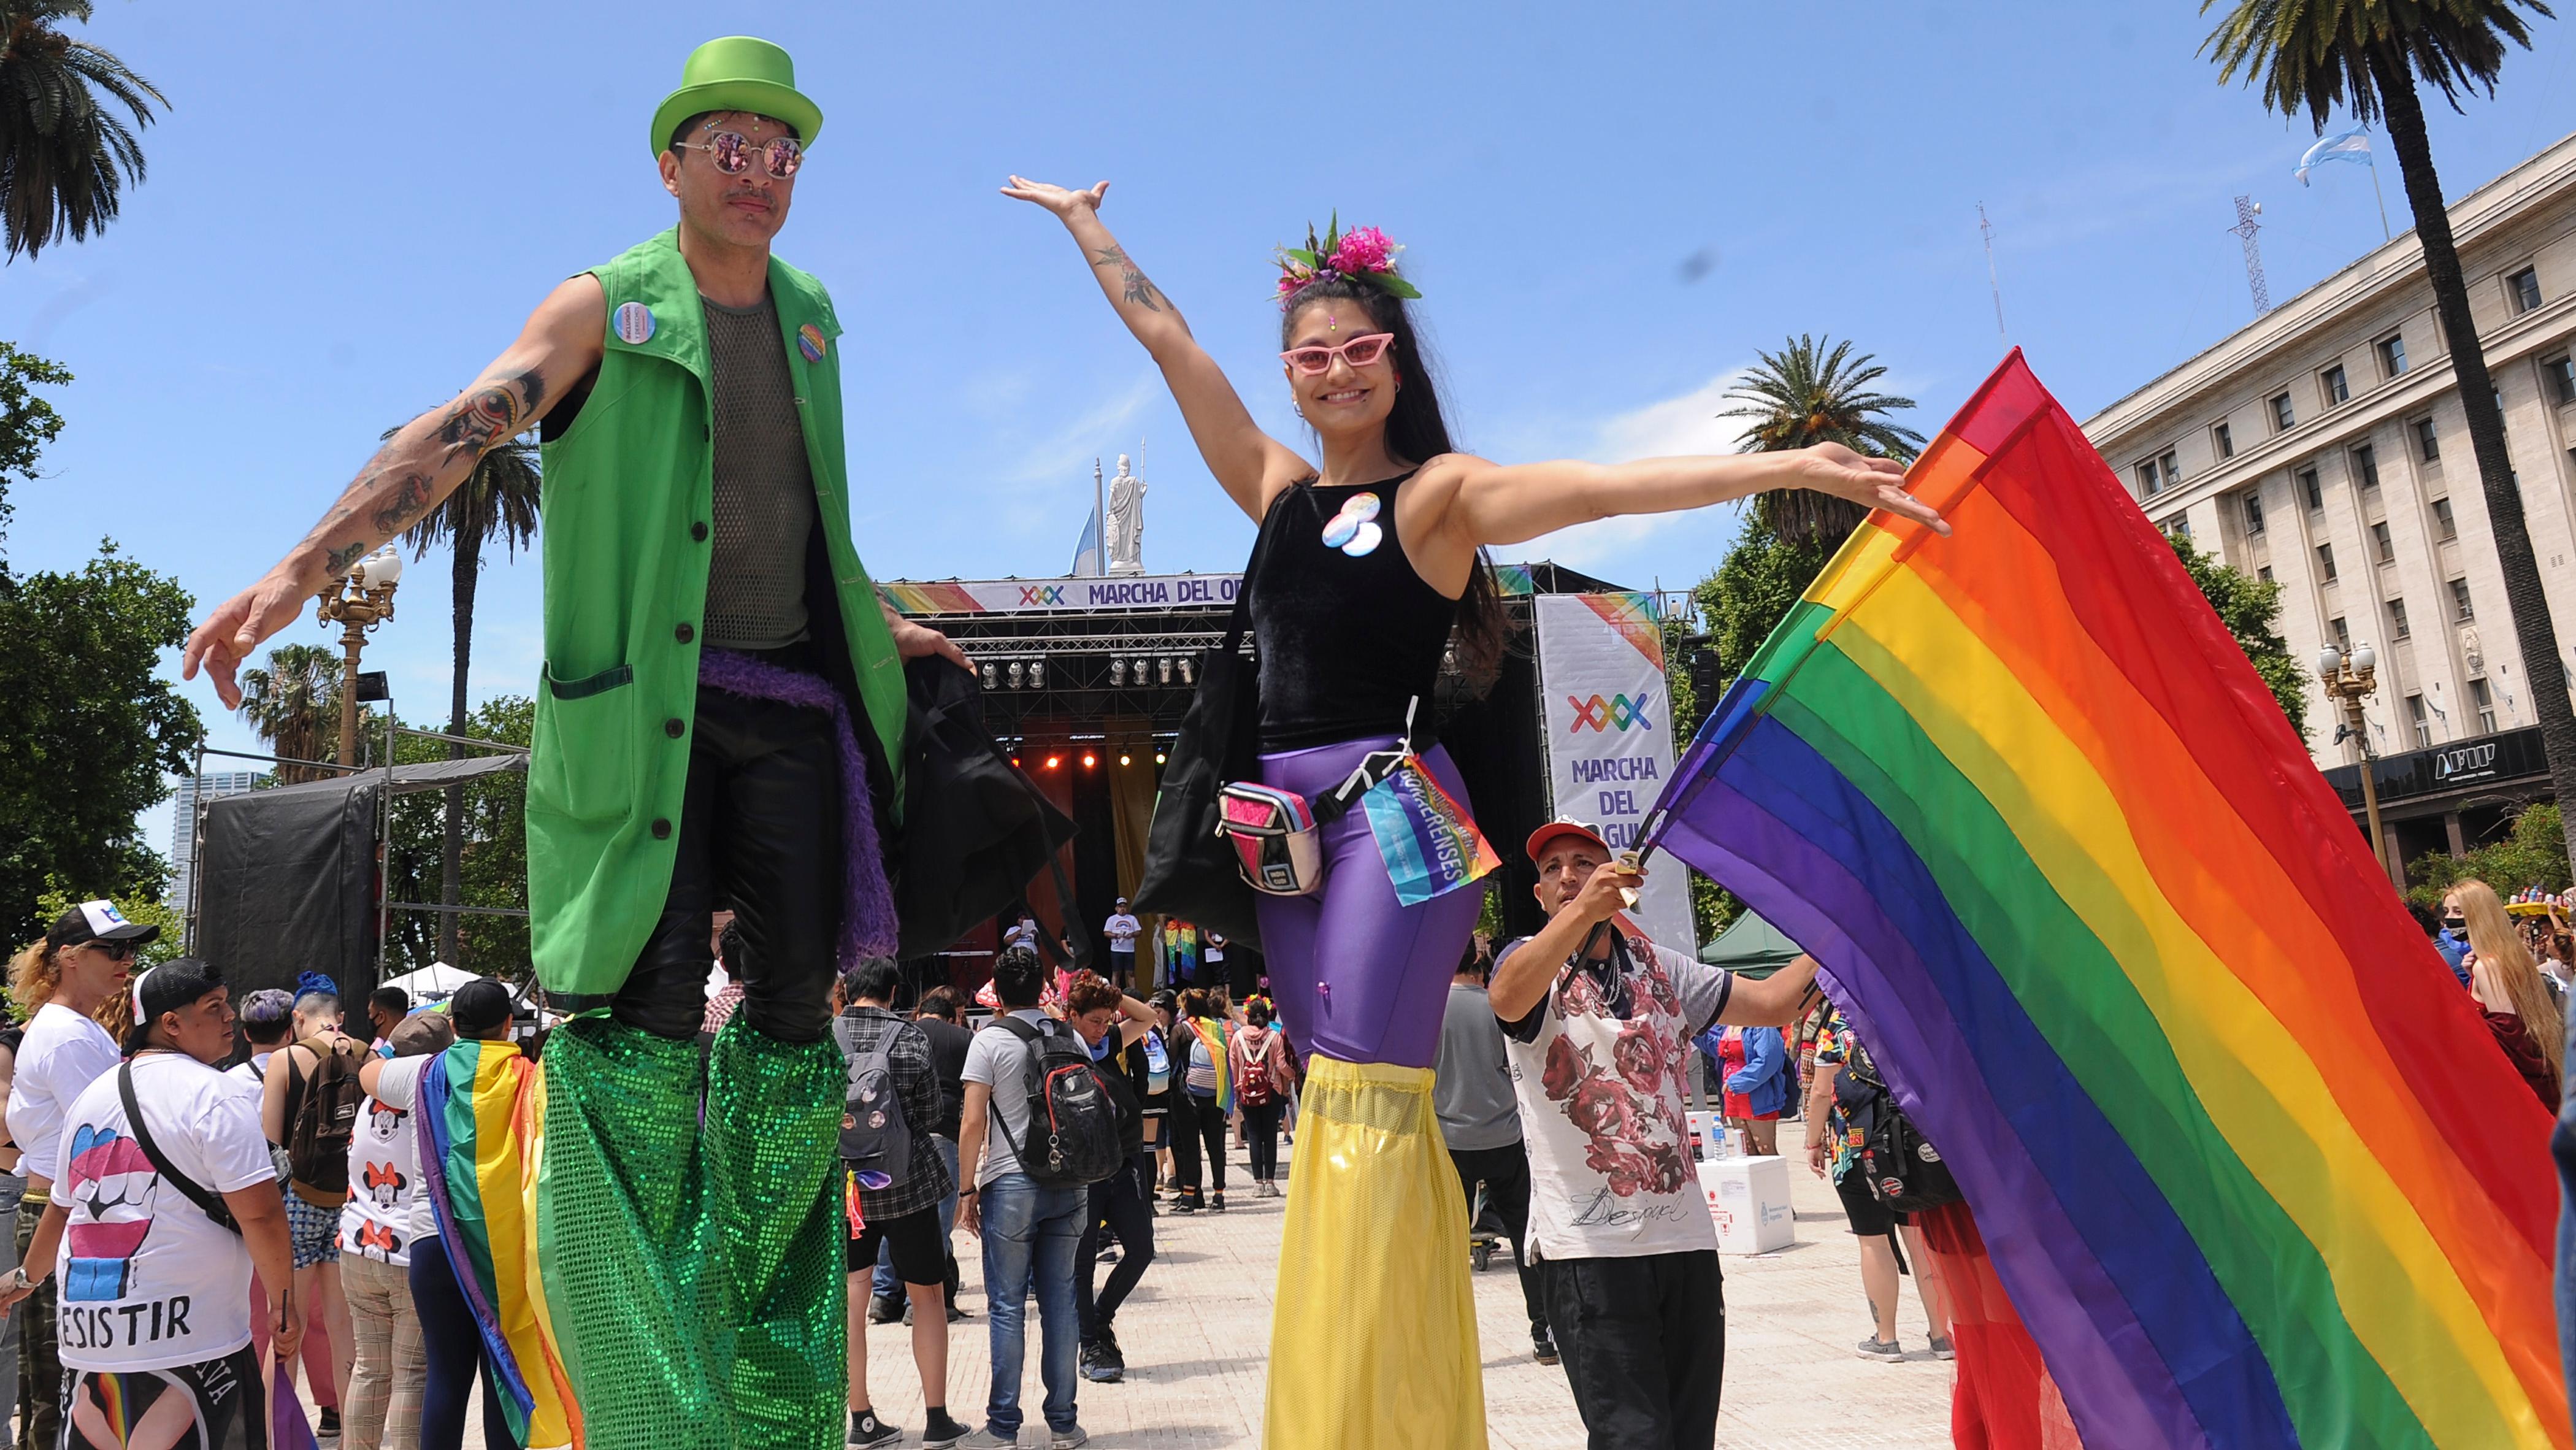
x,y
809,341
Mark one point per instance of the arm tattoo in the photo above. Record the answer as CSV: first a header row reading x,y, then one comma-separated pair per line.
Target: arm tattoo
x,y
343,559
411,498
482,419
1137,288
394,490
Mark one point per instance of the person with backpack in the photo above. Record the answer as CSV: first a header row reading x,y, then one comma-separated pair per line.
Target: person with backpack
x,y
1040,1126
1204,1104
896,1175
165,1200
310,1102
1118,1029
936,1015
1264,1074
1845,1089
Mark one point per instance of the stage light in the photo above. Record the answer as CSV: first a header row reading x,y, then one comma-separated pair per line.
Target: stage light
x,y
1122,758
1015,674
992,676
1037,674
1158,757
1117,672
1054,761
1140,671
1015,762
1187,669
1089,760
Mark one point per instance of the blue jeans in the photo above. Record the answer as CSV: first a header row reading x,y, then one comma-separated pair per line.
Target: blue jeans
x,y
884,1286
1030,1233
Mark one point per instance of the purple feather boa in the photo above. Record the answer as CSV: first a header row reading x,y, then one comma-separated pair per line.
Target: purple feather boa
x,y
867,916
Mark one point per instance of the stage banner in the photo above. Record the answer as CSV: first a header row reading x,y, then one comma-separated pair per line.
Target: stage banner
x,y
1061,596
1610,735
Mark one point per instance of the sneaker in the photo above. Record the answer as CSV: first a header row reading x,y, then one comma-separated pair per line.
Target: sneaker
x,y
1941,1348
1542,1344
957,1315
1216,1202
326,1436
1877,1348
1183,1204
942,1432
1105,1364
885,1309
985,1439
1067,1438
1108,1254
867,1429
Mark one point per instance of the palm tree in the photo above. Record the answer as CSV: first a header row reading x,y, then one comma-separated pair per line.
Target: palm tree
x,y
498,500
293,704
1803,395
60,149
2316,55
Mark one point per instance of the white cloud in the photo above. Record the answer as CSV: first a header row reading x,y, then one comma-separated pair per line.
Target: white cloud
x,y
1637,550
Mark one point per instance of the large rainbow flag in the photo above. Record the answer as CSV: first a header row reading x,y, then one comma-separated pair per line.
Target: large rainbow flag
x,y
2246,1157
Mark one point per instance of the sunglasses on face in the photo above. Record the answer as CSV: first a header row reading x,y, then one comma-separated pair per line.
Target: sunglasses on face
x,y
732,151
1359,352
116,951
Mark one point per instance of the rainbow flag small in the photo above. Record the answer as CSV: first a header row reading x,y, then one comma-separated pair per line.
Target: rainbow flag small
x,y
2244,1154
482,1107
1430,843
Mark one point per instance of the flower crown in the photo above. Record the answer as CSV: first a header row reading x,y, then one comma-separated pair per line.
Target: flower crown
x,y
1362,254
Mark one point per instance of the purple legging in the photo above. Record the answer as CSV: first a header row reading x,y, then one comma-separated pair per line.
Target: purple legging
x,y
1356,974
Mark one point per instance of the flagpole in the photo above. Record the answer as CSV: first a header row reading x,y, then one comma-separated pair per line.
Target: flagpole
x,y
1100,520
2384,234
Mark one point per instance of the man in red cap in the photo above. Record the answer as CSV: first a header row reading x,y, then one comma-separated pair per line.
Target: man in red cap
x,y
1598,1022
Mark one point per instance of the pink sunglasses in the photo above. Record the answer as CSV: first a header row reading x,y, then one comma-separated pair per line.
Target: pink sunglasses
x,y
1359,352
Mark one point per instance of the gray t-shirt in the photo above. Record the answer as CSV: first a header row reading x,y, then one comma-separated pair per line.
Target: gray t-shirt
x,y
1471,1089
999,1060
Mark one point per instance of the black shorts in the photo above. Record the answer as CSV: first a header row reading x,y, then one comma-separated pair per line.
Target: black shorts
x,y
220,1403
1868,1216
919,1256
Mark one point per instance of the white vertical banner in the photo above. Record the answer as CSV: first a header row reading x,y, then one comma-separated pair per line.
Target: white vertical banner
x,y
1610,735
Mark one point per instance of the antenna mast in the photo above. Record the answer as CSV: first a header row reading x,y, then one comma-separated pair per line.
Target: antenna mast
x,y
2247,209
1988,228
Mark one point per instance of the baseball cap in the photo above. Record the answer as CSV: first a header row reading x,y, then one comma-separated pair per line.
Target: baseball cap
x,y
479,1006
98,921
1563,826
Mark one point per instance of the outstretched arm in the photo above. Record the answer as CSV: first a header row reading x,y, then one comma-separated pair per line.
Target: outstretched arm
x,y
419,466
1511,503
1248,462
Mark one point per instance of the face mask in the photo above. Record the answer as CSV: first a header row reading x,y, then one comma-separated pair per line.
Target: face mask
x,y
2455,923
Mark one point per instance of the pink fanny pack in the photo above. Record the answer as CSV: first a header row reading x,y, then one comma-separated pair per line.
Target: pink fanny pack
x,y
1276,844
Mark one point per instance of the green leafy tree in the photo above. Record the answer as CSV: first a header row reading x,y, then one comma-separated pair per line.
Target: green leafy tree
x,y
27,422
148,909
492,857
497,501
2533,853
65,156
1807,394
292,704
2318,56
2251,610
93,730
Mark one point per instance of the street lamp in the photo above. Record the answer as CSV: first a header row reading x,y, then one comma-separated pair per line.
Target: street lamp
x,y
358,603
2347,680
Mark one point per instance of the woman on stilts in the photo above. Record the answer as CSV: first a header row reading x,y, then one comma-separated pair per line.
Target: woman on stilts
x,y
1369,568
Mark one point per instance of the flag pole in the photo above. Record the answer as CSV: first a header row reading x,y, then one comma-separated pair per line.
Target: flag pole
x,y
2384,234
1100,521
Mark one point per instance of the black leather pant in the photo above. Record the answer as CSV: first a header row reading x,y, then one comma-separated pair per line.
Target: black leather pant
x,y
760,832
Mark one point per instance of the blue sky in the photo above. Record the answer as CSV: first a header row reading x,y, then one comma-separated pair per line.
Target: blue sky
x,y
351,208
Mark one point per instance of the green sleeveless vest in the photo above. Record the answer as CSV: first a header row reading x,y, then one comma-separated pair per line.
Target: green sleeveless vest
x,y
628,530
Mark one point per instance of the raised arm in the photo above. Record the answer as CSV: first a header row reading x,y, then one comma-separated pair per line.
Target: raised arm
x,y
419,466
1249,463
1510,503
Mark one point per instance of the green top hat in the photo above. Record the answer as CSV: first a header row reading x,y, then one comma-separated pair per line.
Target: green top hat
x,y
737,73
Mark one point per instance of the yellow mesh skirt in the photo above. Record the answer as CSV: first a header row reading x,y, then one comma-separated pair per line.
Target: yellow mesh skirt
x,y
1373,1340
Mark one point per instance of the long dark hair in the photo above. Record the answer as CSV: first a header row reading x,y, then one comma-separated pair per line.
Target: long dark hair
x,y
1416,433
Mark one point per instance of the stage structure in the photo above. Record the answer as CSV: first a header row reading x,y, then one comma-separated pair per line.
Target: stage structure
x,y
1087,678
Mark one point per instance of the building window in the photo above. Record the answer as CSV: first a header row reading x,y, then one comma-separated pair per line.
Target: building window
x,y
2381,544
2311,490
2423,726
2179,526
2522,289
2461,609
2484,699
2342,633
2397,625
2365,465
2392,354
2561,372
2325,562
2282,418
2172,466
2253,511
2336,389
2428,441
2151,479
2225,440
2445,527
2264,573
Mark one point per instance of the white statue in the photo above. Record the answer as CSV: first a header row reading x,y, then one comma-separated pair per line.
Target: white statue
x,y
1126,525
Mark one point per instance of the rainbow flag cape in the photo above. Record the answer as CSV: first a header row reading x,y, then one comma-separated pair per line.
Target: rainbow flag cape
x,y
481,1107
1213,1035
2245,1155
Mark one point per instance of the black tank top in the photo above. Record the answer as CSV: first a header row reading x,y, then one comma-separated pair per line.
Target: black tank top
x,y
1348,633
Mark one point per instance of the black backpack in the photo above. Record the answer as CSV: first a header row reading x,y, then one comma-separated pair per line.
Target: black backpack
x,y
876,1137
1075,1137
1904,1171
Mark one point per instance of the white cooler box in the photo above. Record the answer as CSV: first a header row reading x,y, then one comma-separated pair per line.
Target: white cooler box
x,y
1749,1199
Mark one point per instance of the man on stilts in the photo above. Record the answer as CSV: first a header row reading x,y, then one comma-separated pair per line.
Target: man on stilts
x,y
720,724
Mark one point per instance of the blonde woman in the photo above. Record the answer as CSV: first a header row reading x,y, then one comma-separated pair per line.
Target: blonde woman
x,y
61,982
2505,979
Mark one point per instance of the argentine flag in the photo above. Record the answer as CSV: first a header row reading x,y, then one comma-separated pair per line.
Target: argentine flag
x,y
2352,145
1086,555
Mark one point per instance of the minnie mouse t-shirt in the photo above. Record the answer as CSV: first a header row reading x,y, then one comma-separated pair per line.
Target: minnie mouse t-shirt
x,y
1597,1066
378,1221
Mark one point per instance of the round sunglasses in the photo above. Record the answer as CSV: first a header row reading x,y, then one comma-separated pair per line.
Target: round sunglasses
x,y
731,151
1359,352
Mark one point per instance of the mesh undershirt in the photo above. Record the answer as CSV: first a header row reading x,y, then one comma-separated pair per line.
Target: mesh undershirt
x,y
764,502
